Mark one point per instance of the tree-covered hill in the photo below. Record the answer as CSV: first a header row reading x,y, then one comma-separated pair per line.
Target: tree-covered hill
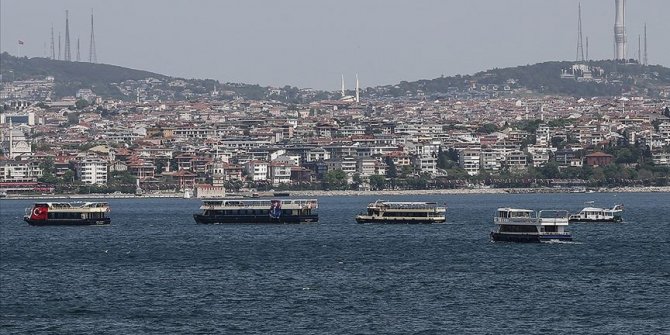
x,y
610,78
104,79
71,76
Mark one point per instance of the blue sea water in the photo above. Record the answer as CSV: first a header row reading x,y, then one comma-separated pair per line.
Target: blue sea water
x,y
154,271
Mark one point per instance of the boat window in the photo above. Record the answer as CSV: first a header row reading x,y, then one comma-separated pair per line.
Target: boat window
x,y
518,229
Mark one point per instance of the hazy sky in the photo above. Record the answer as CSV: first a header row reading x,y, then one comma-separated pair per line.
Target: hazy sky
x,y
310,43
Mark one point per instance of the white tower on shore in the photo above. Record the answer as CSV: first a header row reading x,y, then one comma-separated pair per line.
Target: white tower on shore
x,y
343,86
620,29
358,97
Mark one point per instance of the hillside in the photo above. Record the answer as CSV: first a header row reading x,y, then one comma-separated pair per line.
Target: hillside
x,y
609,78
595,78
71,76
105,80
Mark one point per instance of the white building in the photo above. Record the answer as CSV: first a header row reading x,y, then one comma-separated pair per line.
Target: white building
x,y
257,170
469,159
425,164
92,171
280,173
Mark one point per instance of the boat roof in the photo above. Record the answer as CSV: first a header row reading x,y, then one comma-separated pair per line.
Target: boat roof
x,y
404,202
594,209
508,209
73,204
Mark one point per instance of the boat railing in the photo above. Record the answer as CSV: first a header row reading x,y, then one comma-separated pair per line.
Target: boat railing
x,y
524,220
303,203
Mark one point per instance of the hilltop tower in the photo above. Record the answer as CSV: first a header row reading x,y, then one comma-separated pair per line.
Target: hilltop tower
x,y
67,56
53,49
92,56
646,60
620,29
587,48
580,44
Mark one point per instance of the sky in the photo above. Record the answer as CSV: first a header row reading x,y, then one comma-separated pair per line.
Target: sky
x,y
311,43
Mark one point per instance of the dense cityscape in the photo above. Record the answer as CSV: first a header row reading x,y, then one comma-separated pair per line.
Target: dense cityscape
x,y
212,141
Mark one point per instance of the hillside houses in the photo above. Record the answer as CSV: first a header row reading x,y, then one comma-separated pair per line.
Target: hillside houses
x,y
268,143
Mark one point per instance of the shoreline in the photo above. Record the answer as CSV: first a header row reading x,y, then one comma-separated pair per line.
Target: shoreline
x,y
321,193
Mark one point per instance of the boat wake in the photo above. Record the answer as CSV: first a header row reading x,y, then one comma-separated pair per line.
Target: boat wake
x,y
561,242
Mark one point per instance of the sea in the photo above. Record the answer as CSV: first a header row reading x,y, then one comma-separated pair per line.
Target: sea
x,y
155,271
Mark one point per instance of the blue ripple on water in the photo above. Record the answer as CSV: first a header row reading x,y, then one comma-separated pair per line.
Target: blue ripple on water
x,y
155,271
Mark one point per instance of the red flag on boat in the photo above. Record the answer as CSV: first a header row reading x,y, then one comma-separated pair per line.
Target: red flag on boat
x,y
39,213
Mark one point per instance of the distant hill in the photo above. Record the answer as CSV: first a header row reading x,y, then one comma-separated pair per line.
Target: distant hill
x,y
71,76
603,78
594,78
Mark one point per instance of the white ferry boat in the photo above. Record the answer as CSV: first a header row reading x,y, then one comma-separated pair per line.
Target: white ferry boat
x,y
258,211
382,211
596,214
525,225
68,214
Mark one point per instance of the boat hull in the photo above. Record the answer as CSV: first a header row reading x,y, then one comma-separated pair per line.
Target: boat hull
x,y
398,221
254,219
69,222
528,238
584,220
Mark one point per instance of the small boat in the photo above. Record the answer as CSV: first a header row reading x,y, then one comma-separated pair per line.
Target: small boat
x,y
597,214
382,211
258,211
525,225
68,214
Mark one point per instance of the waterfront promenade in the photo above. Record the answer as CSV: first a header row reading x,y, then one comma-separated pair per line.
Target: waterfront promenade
x,y
320,193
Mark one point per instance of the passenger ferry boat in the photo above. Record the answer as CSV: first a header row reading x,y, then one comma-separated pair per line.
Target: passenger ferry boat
x,y
525,225
68,214
258,211
382,211
596,214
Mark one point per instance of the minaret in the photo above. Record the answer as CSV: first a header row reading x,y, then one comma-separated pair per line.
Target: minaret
x,y
11,139
358,97
620,29
343,86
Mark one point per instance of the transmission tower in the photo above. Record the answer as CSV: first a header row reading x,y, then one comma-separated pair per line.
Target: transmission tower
x,y
639,49
68,56
646,60
580,45
92,56
53,49
587,49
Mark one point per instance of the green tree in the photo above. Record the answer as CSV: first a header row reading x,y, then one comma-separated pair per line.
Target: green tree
x,y
72,118
487,128
391,171
377,182
336,179
81,104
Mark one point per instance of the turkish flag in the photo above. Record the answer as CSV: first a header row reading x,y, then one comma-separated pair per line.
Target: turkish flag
x,y
39,212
